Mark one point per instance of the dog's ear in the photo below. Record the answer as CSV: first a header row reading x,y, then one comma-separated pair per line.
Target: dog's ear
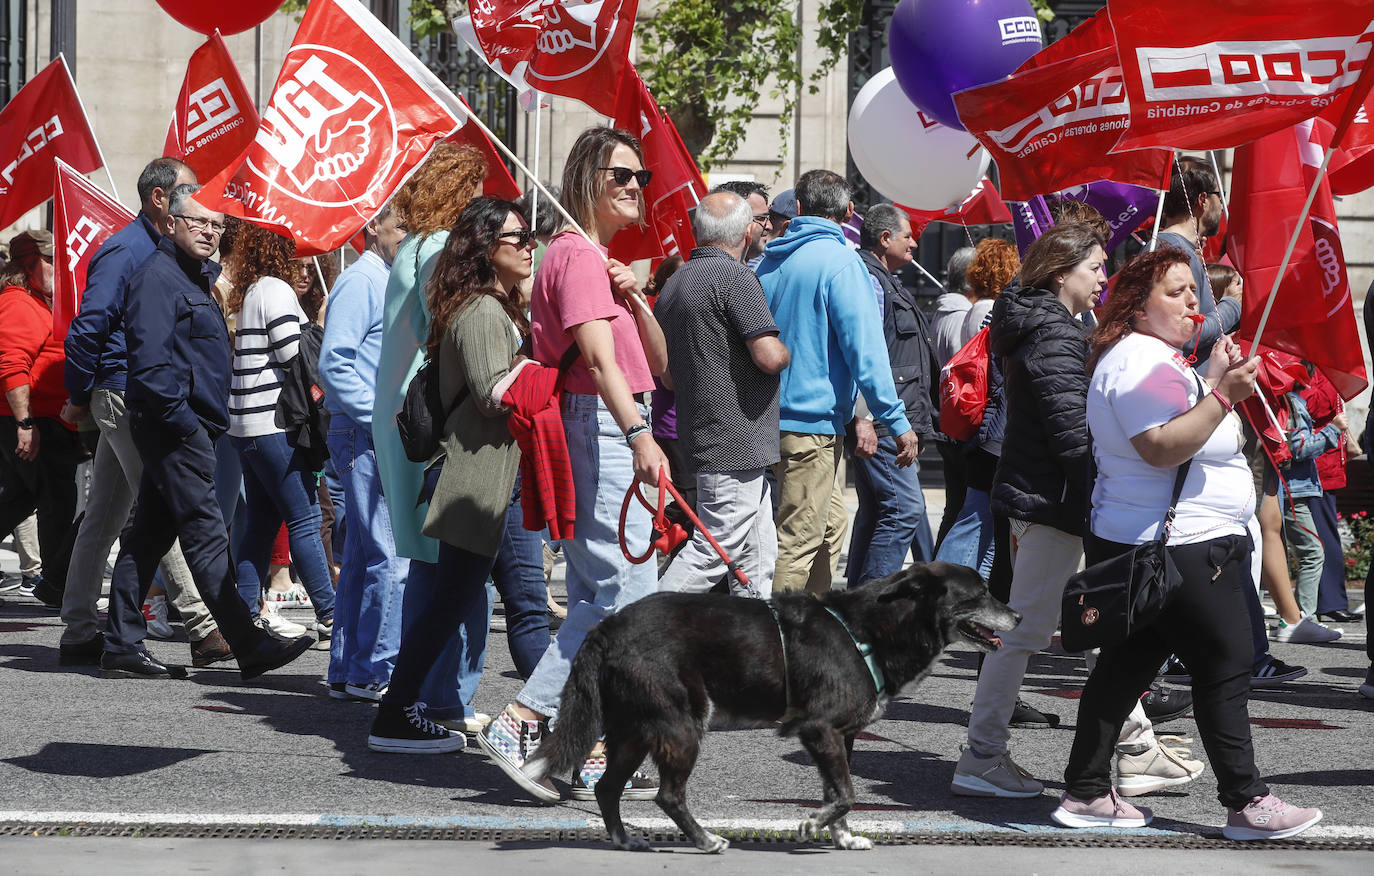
x,y
917,581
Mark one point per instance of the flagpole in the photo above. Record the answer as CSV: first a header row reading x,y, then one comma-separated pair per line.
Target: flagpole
x,y
1225,198
319,272
529,175
1292,245
87,119
929,276
1159,219
534,201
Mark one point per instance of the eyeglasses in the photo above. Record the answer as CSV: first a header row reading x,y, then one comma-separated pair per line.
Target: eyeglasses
x,y
623,175
521,239
197,224
764,219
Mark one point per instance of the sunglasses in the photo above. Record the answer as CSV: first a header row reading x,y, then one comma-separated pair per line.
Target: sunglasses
x,y
520,239
623,175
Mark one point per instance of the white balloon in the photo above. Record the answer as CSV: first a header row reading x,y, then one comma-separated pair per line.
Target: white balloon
x,y
907,156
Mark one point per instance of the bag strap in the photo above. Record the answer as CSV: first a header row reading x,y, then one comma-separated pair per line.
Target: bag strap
x,y
1173,500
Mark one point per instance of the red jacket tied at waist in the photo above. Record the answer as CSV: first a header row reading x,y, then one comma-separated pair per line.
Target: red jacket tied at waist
x,y
536,422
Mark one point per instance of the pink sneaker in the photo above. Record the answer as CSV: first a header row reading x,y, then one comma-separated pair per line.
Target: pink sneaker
x,y
1268,818
1109,810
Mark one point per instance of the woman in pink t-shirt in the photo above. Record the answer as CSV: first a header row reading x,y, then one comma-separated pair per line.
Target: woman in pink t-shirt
x,y
582,296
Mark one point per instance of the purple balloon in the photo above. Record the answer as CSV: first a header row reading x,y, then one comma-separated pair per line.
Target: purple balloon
x,y
939,47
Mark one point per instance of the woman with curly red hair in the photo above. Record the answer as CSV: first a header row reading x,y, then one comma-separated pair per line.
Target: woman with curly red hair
x,y
994,265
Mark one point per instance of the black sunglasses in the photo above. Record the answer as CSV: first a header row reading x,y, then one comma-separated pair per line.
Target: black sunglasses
x,y
522,238
623,175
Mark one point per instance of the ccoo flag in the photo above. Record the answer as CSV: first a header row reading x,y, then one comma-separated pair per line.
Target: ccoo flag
x,y
83,216
214,119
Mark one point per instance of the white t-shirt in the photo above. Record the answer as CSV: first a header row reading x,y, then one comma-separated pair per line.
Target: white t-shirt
x,y
1140,383
268,335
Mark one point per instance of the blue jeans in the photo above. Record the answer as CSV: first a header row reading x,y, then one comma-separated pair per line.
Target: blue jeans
x,y
334,484
891,518
279,486
600,580
372,576
519,578
969,541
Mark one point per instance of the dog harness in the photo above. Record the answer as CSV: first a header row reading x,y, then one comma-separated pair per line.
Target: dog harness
x,y
865,651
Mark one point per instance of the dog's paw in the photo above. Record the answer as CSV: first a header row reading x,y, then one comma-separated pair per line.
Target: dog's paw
x,y
632,843
851,843
808,830
714,844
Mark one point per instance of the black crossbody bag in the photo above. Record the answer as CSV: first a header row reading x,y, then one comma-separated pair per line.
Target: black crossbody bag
x,y
1106,602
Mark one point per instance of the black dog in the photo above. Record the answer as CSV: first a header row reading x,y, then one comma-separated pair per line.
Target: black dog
x,y
653,674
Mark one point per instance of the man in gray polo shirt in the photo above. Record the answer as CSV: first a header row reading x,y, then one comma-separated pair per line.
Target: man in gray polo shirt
x,y
724,357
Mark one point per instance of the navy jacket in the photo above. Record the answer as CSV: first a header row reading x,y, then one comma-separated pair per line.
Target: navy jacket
x,y
96,352
179,352
910,350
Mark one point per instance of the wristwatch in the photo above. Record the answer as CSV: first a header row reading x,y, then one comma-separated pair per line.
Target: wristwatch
x,y
26,423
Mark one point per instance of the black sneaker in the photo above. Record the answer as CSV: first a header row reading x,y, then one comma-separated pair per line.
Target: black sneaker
x,y
1026,717
1367,689
1174,672
46,593
406,730
1275,673
1166,703
85,653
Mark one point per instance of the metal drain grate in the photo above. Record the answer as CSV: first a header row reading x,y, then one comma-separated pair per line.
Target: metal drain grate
x,y
559,837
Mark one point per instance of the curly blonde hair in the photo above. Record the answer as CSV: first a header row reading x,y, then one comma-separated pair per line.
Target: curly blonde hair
x,y
994,264
258,252
433,198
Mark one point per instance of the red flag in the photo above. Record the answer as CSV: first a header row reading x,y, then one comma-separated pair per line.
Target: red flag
x,y
83,216
1236,71
499,183
983,206
677,184
1313,316
1091,35
1045,145
1352,167
352,114
215,119
572,48
42,123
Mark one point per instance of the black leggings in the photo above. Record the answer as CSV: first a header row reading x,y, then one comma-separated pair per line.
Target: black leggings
x,y
1208,625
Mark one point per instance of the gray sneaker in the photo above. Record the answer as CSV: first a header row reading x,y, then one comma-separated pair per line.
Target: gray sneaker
x,y
996,776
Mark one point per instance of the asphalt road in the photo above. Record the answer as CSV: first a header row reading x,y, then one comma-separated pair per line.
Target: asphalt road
x,y
77,749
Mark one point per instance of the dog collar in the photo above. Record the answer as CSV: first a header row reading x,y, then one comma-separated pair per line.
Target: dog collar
x,y
865,651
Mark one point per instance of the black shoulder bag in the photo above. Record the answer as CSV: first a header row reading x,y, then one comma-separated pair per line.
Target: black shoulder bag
x,y
1106,602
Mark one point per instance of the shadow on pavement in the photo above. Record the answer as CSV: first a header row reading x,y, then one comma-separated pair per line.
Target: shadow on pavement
x,y
96,761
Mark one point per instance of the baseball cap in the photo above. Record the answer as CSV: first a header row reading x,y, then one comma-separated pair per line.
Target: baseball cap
x,y
27,244
785,204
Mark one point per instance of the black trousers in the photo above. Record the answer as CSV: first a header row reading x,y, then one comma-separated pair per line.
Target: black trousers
x,y
1208,625
47,485
176,499
956,484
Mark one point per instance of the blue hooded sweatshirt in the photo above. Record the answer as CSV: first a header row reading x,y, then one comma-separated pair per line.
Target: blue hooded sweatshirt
x,y
822,301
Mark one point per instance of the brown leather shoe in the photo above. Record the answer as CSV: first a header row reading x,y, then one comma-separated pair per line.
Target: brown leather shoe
x,y
211,649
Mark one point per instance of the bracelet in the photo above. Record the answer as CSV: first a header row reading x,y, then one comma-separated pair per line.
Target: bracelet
x,y
1230,408
634,432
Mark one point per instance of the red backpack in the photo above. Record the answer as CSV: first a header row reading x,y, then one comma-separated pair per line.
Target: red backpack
x,y
964,388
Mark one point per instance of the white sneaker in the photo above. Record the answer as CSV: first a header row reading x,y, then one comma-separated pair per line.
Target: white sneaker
x,y
1305,632
372,691
155,616
471,726
272,621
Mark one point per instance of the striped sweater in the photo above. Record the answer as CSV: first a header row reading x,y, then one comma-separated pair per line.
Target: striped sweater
x,y
268,334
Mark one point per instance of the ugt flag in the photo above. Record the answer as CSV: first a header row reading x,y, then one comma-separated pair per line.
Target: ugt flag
x,y
572,48
1313,316
42,123
82,217
352,114
1223,73
214,119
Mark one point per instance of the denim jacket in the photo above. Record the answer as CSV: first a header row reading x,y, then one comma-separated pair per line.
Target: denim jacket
x,y
1300,479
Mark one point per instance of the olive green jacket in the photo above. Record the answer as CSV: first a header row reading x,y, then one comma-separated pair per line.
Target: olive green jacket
x,y
480,458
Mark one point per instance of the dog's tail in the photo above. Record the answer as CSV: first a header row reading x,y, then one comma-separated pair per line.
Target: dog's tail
x,y
579,715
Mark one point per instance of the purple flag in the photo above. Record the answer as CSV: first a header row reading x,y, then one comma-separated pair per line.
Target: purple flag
x,y
1123,206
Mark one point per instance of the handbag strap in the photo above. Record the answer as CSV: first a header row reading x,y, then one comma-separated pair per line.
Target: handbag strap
x,y
1179,478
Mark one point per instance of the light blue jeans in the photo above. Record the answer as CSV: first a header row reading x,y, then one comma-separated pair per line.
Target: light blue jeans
x,y
891,521
600,580
372,576
969,541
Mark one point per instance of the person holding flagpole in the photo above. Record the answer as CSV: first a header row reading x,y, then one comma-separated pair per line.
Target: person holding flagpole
x,y
580,296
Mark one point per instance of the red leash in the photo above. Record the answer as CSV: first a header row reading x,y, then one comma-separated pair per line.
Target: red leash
x,y
669,535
